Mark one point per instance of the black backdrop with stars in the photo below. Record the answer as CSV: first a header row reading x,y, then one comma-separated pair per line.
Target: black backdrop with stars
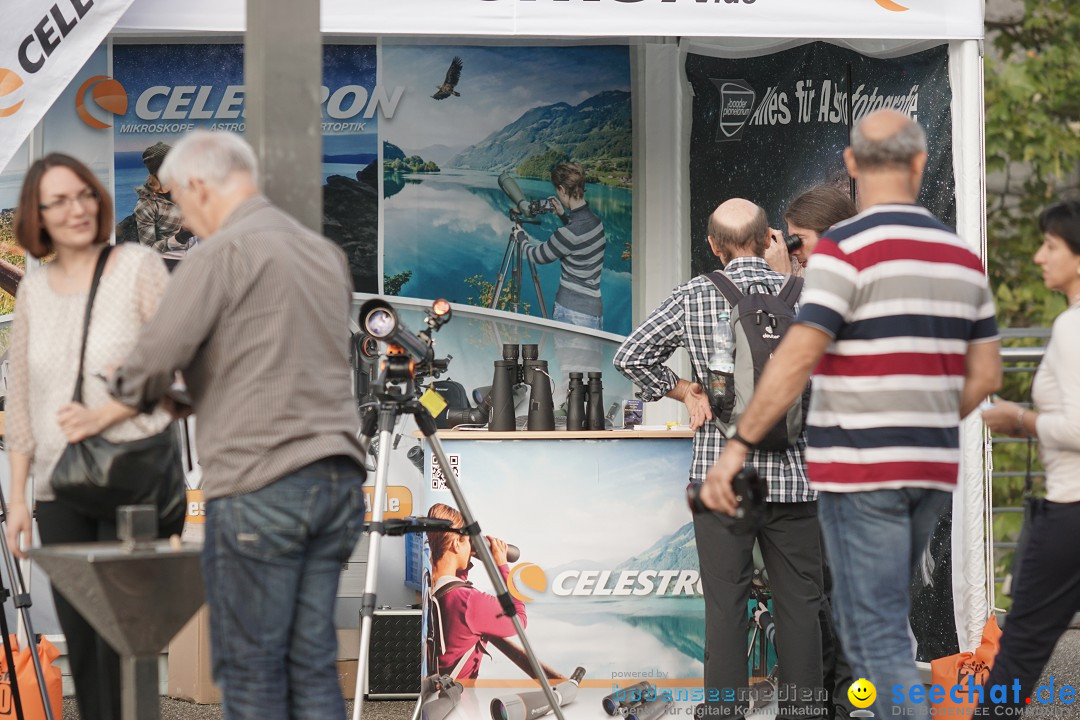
x,y
767,128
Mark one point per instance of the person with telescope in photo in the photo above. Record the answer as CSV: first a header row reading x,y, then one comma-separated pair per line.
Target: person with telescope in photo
x,y
578,246
468,618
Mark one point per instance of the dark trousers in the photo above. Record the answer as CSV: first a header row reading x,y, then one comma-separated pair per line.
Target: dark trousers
x,y
1045,598
790,546
95,666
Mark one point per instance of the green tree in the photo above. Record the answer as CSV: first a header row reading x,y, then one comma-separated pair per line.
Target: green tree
x,y
539,166
392,284
1033,123
1033,143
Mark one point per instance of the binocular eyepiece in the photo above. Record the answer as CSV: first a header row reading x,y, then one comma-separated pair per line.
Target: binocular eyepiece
x,y
793,242
534,704
513,552
623,699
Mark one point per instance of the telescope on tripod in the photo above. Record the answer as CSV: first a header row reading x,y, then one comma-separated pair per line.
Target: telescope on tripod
x,y
522,213
394,391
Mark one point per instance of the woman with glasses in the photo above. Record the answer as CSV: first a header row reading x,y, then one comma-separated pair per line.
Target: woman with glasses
x,y
64,212
1046,593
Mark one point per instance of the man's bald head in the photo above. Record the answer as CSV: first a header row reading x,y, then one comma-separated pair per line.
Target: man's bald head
x,y
738,227
887,139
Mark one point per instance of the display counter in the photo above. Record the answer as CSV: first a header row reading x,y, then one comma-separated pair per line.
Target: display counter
x,y
616,434
608,572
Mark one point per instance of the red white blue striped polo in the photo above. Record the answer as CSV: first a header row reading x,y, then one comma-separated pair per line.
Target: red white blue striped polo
x,y
902,297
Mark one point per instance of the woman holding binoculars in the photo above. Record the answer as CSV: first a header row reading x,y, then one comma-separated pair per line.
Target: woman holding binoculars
x,y
467,616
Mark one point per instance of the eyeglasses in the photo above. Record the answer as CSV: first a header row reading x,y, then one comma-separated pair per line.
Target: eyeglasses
x,y
86,199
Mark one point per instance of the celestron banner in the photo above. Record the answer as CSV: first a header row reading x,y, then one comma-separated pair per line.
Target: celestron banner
x,y
473,119
767,128
42,47
598,18
608,573
170,89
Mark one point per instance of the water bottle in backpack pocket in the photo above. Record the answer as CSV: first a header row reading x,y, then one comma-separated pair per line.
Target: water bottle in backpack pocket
x,y
758,321
721,381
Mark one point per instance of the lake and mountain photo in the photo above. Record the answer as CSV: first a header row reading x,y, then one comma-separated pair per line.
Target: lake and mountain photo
x,y
521,110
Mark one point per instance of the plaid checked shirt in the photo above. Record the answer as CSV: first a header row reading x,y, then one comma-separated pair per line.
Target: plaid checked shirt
x,y
158,220
686,320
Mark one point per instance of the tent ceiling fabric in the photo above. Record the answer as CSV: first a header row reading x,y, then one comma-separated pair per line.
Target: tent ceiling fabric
x,y
913,19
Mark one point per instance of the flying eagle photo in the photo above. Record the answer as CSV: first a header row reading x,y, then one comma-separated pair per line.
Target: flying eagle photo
x,y
453,76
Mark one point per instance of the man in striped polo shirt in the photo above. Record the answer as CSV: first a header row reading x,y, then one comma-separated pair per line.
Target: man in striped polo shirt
x,y
579,246
898,312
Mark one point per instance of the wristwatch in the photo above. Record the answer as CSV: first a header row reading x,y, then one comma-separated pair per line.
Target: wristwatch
x,y
732,433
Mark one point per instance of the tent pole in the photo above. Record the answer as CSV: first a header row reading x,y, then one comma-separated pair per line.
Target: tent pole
x,y
282,81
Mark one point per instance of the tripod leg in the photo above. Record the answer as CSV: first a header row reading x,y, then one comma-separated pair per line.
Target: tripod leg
x,y
504,267
483,551
21,599
515,287
387,418
539,291
16,698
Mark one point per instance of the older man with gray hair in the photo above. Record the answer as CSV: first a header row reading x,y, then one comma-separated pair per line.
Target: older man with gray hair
x,y
898,320
257,319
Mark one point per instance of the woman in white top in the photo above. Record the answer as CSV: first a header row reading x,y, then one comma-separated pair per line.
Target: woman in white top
x,y
1047,591
63,209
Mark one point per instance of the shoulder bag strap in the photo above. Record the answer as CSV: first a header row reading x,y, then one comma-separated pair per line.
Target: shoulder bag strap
x,y
98,270
791,291
726,287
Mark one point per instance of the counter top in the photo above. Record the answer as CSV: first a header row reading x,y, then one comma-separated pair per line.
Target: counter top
x,y
562,434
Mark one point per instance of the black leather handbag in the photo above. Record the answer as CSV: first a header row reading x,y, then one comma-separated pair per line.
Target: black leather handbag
x,y
95,477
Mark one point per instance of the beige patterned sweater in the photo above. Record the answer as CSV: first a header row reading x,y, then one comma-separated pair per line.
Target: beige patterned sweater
x,y
44,354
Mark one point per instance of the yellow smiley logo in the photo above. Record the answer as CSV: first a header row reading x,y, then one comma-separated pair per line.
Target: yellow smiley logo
x,y
862,693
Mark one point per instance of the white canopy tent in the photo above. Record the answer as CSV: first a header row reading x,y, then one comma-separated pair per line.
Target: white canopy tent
x,y
663,31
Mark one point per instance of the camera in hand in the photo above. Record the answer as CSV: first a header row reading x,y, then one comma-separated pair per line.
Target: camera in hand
x,y
750,490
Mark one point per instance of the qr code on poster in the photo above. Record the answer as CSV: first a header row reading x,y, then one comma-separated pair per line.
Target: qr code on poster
x,y
438,480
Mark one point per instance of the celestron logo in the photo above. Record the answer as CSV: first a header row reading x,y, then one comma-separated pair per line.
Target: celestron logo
x,y
107,94
49,31
10,82
526,580
164,108
890,5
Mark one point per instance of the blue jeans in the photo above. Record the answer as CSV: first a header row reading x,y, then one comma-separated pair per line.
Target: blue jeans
x,y
271,564
873,540
561,313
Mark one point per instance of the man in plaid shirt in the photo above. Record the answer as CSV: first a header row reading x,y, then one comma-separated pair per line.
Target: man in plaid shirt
x,y
789,537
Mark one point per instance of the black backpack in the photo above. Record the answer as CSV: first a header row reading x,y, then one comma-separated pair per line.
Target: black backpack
x,y
759,321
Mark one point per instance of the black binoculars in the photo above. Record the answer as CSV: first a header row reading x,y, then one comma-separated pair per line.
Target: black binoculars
x,y
750,492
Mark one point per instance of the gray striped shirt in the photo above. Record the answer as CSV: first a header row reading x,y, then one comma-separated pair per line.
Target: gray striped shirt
x,y
580,246
257,320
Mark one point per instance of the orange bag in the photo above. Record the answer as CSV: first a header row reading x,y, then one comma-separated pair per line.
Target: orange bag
x,y
28,686
962,669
